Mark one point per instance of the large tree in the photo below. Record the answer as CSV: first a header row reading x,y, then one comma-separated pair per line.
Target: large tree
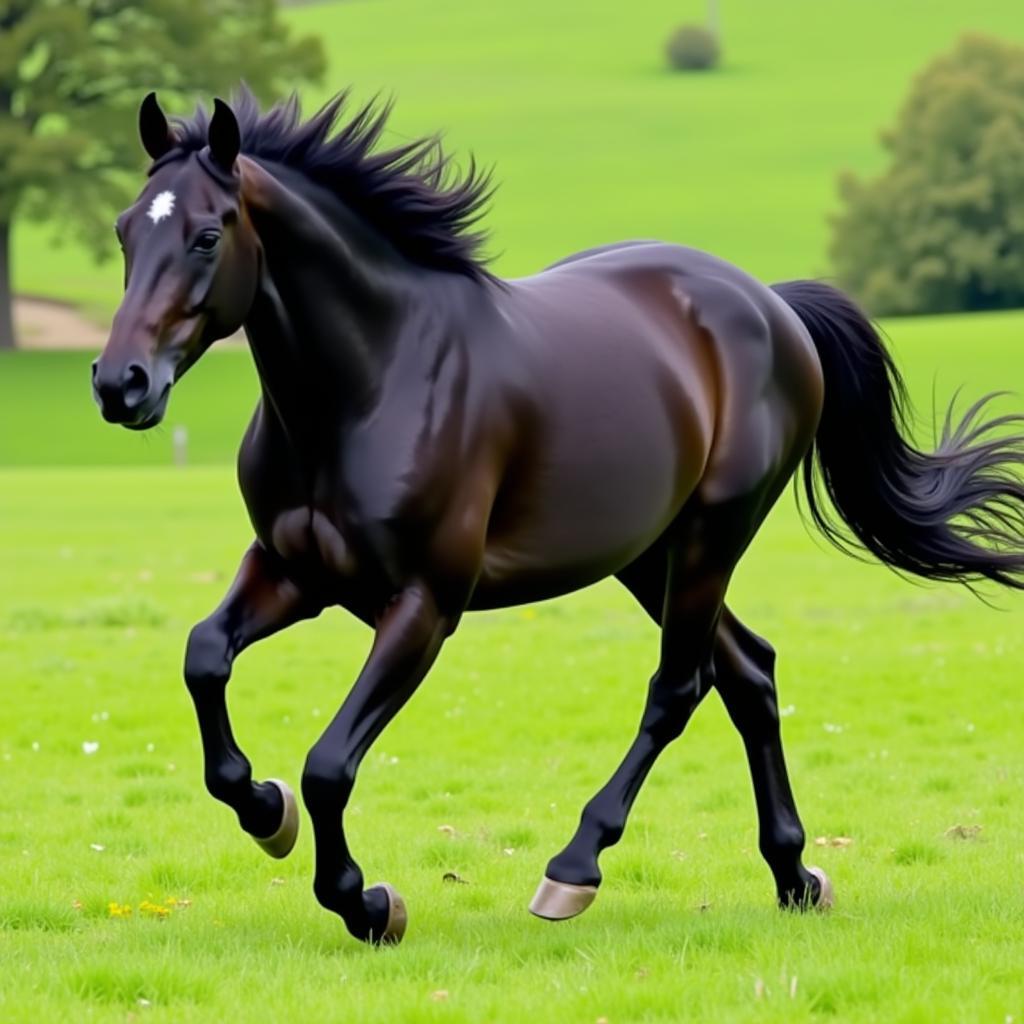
x,y
72,73
942,227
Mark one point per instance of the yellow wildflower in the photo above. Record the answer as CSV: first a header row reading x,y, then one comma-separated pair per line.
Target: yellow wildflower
x,y
119,909
154,909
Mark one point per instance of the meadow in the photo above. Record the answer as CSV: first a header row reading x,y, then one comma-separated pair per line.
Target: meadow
x,y
593,140
128,894
902,713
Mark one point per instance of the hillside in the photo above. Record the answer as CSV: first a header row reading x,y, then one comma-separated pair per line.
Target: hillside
x,y
593,140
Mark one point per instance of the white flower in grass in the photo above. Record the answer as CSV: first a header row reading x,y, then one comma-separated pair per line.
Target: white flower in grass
x,y
90,746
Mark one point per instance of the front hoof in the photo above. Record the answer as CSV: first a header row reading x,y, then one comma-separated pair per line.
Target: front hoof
x,y
558,901
392,917
826,894
281,843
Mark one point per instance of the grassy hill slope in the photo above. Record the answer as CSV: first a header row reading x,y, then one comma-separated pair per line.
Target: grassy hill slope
x,y
593,140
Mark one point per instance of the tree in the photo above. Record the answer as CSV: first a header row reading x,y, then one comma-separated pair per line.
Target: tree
x,y
942,228
72,73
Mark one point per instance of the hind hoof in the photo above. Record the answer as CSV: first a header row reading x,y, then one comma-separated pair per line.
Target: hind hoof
x,y
558,901
826,894
281,843
397,916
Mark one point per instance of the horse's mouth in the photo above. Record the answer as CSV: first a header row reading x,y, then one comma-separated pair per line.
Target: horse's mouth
x,y
155,415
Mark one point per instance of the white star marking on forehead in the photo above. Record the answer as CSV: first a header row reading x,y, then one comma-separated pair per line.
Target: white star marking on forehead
x,y
161,207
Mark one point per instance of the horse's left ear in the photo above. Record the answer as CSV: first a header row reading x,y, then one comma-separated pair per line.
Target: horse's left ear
x,y
154,130
224,138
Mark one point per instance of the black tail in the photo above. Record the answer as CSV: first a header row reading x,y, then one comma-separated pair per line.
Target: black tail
x,y
953,514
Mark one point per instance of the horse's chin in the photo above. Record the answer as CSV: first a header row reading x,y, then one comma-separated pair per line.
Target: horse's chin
x,y
154,416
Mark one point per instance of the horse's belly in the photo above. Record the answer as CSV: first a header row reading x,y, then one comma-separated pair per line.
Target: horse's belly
x,y
591,502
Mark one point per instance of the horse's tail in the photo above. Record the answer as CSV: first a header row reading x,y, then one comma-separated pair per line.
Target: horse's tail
x,y
956,513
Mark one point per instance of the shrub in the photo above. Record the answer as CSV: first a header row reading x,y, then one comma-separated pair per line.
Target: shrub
x,y
692,48
942,227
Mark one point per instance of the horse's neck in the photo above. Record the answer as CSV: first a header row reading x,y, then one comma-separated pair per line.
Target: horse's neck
x,y
336,309
319,326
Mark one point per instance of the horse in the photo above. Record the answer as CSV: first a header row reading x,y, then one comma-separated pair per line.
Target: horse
x,y
431,440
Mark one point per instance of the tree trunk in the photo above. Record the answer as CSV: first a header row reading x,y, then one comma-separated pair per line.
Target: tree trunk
x,y
7,339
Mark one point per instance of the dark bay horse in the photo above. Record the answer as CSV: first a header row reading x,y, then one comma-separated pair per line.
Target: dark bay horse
x,y
432,440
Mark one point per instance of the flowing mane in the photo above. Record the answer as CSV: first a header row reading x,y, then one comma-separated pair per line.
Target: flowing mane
x,y
409,193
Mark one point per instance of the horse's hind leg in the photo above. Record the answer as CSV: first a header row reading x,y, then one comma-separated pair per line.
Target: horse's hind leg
x,y
261,601
744,675
703,550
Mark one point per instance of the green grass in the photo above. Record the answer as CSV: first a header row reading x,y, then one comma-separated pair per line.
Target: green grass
x,y
903,703
47,415
593,140
903,722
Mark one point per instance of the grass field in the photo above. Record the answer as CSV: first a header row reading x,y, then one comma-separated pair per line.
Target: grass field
x,y
594,141
902,724
903,711
127,894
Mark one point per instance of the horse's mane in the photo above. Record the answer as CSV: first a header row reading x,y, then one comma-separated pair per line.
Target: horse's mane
x,y
409,193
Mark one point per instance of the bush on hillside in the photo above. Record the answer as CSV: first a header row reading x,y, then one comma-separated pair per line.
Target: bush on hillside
x,y
942,227
692,48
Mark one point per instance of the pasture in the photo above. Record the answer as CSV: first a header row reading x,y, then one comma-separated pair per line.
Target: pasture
x,y
593,140
128,894
902,712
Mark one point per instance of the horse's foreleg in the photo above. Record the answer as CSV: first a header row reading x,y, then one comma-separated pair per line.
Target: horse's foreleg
x,y
261,601
696,578
745,678
409,635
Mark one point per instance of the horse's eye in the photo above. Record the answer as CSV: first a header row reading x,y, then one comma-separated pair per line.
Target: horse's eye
x,y
207,241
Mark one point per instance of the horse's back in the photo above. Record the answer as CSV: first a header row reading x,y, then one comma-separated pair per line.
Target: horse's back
x,y
767,387
654,382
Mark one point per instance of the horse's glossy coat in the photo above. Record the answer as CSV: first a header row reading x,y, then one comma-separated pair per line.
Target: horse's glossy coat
x,y
431,440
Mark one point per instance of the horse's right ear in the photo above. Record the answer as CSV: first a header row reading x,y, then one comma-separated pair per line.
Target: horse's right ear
x,y
154,130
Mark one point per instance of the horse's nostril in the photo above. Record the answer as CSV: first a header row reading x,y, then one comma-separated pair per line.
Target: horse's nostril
x,y
136,385
95,370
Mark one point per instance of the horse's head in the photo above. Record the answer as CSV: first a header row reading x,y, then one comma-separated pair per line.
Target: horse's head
x,y
191,266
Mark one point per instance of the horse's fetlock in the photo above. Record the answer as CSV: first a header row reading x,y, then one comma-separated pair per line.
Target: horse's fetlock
x,y
783,840
339,892
229,780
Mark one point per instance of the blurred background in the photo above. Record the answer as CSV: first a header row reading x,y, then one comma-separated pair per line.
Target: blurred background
x,y
879,144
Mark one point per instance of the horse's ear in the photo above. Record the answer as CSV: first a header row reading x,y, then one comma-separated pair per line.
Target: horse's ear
x,y
154,130
224,137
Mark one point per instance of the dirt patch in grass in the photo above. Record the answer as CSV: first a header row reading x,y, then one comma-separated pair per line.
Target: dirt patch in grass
x,y
43,323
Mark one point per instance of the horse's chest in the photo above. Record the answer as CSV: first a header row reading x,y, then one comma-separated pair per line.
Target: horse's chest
x,y
304,535
328,558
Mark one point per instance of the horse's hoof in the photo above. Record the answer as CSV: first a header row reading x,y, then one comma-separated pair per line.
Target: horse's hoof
x,y
397,919
558,901
826,895
280,844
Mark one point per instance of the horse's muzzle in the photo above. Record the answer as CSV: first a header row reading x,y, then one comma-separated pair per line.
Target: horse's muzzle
x,y
127,395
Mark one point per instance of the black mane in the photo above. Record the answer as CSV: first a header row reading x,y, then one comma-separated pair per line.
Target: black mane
x,y
408,193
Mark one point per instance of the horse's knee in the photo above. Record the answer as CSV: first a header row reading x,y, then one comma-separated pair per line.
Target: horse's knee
x,y
207,656
327,780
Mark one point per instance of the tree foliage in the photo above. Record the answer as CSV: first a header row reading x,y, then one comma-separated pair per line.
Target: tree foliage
x,y
72,73
942,228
